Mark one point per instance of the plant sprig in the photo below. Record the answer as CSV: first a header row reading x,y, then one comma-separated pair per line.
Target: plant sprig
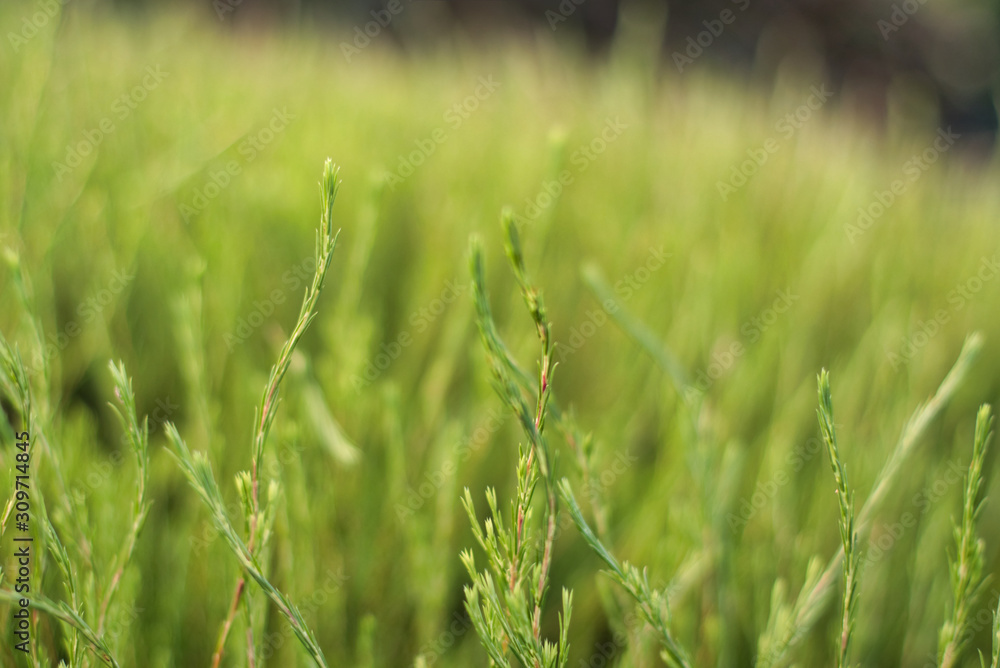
x,y
66,614
326,243
199,473
259,519
995,635
15,383
508,617
966,566
138,438
848,531
791,622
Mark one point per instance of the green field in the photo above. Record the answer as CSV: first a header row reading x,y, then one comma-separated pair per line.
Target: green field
x,y
159,206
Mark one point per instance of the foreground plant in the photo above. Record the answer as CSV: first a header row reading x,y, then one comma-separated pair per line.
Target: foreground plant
x,y
790,622
259,515
87,610
848,532
505,602
966,566
653,604
995,635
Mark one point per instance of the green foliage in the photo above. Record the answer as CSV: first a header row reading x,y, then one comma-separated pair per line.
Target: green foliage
x,y
260,517
966,566
995,635
86,612
505,602
848,533
789,623
681,415
653,604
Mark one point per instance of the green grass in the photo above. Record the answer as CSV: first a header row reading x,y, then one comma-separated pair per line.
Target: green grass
x,y
683,334
848,533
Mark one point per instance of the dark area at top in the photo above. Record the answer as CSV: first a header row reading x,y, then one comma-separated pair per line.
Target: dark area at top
x,y
944,56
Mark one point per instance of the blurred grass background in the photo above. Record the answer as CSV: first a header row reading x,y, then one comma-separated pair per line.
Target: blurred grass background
x,y
189,284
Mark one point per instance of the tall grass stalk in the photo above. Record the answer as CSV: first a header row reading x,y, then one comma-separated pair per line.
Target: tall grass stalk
x,y
995,638
966,566
848,532
505,602
789,623
138,437
260,517
81,598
